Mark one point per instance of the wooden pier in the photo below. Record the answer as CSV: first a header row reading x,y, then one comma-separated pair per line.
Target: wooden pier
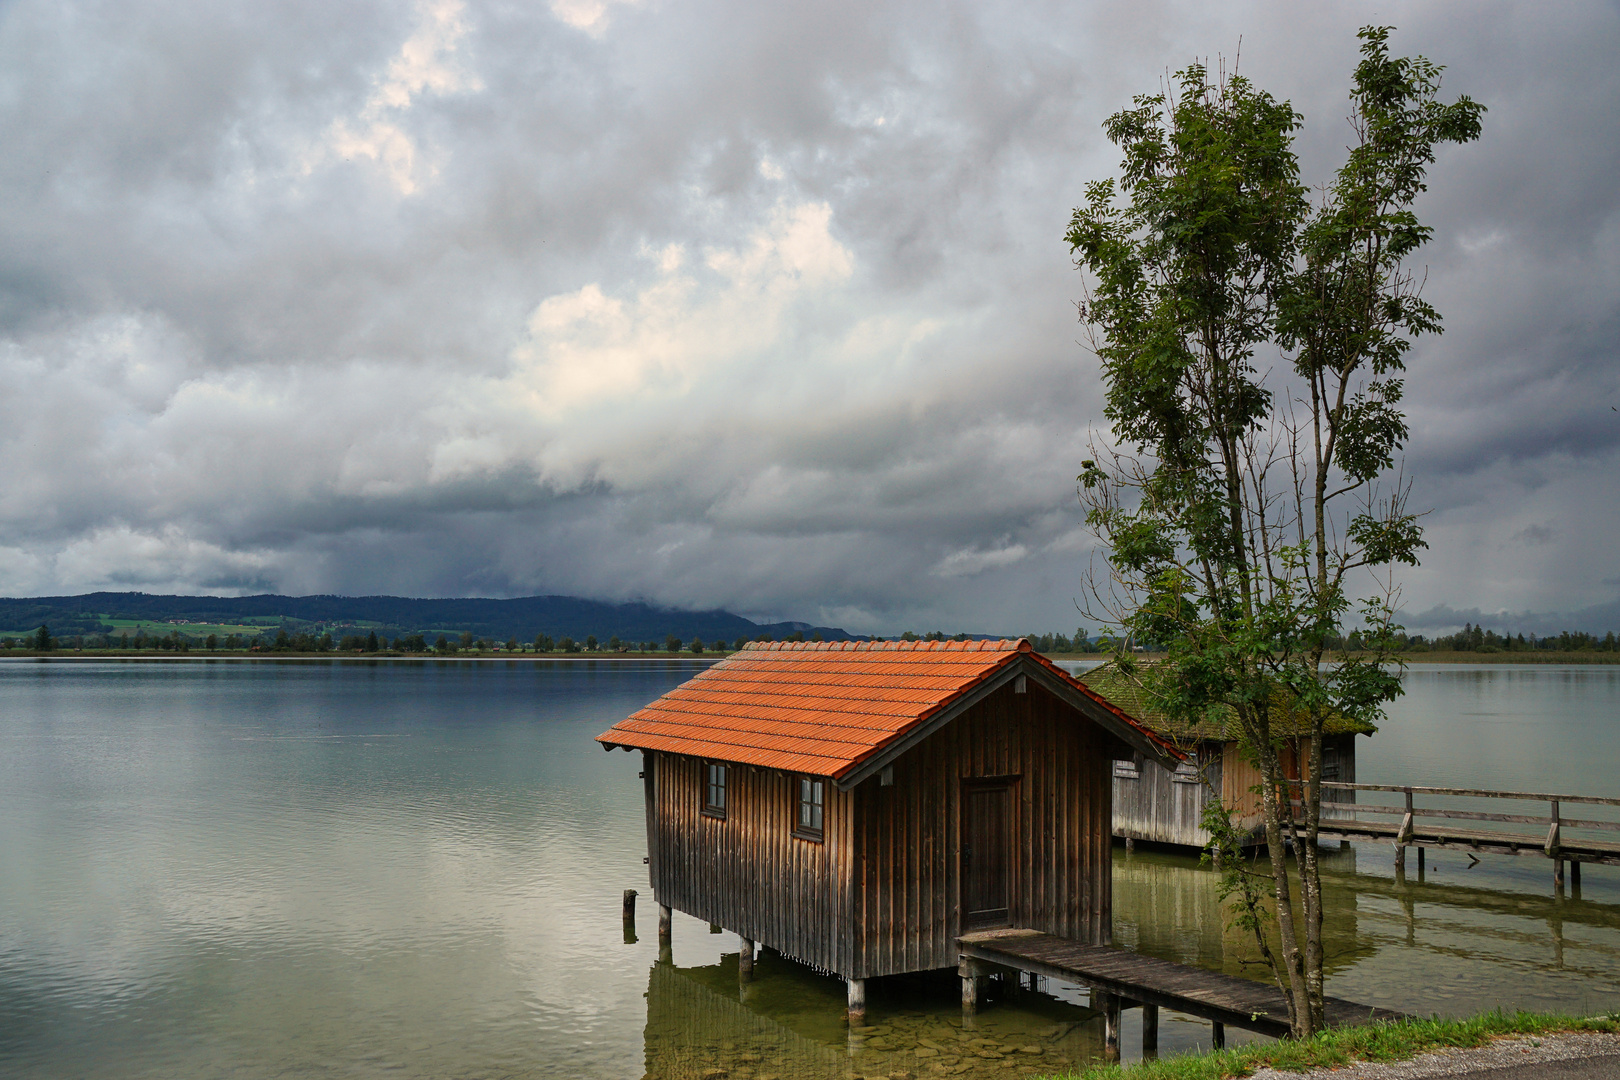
x,y
1411,825
1119,979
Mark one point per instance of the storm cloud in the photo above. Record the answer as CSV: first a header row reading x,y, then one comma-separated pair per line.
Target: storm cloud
x,y
762,307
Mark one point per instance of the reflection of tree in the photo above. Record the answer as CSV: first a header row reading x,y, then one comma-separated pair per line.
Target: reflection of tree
x,y
1169,906
789,1023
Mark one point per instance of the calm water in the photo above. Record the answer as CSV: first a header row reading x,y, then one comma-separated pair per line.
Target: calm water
x,y
414,869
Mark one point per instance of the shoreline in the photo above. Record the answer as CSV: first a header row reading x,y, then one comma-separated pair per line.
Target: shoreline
x,y
1396,1050
1580,658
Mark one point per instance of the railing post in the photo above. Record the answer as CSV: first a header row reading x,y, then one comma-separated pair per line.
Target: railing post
x,y
1404,837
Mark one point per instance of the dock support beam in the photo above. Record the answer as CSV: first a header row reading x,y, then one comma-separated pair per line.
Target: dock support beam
x,y
745,959
857,1001
1150,1030
1217,1036
1110,1006
629,916
665,916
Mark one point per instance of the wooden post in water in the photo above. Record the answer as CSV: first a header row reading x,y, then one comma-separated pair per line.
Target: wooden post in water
x,y
745,961
1150,1030
1555,847
1110,1005
629,916
972,983
857,1002
665,916
1404,837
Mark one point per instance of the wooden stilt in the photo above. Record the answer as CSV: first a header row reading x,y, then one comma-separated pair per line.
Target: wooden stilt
x,y
745,961
1420,863
1110,1010
1150,1030
1400,857
1130,844
1217,1036
1575,873
857,1001
1558,873
629,916
665,917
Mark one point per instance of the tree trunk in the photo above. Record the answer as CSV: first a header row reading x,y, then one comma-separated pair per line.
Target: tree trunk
x,y
1298,992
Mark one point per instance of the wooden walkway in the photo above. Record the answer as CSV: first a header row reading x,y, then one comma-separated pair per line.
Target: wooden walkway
x,y
1410,825
1133,979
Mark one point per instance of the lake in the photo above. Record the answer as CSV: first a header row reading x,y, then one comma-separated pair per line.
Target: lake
x,y
414,869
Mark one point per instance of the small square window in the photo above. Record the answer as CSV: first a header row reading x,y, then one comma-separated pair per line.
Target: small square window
x,y
1186,773
714,792
812,795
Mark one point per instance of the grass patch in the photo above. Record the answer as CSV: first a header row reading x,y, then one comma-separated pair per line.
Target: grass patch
x,y
1392,1041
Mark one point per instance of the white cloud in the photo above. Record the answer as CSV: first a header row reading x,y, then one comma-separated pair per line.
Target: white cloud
x,y
586,349
974,561
590,16
426,63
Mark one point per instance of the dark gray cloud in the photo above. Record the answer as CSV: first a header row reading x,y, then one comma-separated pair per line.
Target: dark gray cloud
x,y
757,306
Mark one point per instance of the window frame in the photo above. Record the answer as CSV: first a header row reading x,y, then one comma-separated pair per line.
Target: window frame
x,y
815,788
713,809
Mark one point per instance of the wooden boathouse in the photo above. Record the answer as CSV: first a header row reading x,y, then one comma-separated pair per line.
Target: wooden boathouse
x,y
1164,803
859,806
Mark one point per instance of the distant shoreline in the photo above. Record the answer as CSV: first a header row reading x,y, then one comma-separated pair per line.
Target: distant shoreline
x,y
1537,656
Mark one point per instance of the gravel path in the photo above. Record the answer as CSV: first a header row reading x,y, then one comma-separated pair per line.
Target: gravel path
x,y
1523,1056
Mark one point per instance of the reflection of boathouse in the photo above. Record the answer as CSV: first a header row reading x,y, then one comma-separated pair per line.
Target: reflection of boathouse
x,y
1166,804
701,1026
858,806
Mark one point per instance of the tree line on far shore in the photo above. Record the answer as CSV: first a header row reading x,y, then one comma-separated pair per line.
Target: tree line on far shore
x,y
1470,638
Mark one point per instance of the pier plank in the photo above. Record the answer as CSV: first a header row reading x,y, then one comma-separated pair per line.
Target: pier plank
x,y
1148,980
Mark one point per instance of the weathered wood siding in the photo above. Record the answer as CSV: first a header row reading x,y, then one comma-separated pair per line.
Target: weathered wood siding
x,y
747,872
907,896
1155,805
1239,775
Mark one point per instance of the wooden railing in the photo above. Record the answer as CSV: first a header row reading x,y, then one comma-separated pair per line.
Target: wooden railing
x,y
1414,832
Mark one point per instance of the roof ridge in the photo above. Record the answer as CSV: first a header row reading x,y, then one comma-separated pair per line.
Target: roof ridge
x,y
1000,645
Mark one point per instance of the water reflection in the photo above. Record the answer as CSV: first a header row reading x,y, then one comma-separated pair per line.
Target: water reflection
x,y
258,871
1426,945
787,1024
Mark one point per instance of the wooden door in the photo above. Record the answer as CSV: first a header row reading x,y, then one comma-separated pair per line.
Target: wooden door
x,y
986,828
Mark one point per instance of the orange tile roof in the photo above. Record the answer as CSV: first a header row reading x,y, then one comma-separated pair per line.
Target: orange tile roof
x,y
824,708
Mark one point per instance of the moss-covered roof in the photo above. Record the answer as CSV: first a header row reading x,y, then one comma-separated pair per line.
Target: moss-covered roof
x,y
1125,692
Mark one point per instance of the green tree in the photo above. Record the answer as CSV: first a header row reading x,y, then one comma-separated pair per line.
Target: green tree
x,y
1234,510
43,642
697,646
672,643
590,642
211,642
371,641
543,643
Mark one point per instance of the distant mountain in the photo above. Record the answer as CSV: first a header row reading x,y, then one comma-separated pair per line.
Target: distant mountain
x,y
521,618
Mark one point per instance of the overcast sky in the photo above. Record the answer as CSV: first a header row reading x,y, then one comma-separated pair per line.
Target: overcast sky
x,y
756,306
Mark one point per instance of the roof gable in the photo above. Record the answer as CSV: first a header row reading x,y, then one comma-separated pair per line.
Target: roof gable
x,y
843,709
